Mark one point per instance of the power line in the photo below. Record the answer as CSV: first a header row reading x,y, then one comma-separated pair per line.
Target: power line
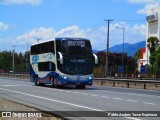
x,y
131,20
97,24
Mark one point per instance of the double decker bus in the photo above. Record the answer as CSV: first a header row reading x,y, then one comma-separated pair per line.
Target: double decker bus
x,y
62,61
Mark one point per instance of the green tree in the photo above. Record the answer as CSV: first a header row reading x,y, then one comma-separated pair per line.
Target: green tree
x,y
152,44
137,55
1,61
155,60
148,69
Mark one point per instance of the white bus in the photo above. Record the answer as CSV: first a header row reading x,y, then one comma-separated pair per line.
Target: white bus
x,y
62,61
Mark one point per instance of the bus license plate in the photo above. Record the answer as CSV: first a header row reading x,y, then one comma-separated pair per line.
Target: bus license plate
x,y
78,83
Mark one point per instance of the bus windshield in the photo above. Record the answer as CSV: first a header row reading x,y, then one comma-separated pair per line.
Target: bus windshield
x,y
76,47
77,66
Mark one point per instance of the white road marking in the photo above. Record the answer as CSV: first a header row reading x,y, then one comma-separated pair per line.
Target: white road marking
x,y
58,101
84,94
149,103
105,97
139,94
131,101
58,90
13,81
67,91
76,92
117,99
53,100
13,85
94,95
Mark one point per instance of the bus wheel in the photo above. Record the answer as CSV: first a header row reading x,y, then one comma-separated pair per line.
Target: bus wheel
x,y
80,86
37,82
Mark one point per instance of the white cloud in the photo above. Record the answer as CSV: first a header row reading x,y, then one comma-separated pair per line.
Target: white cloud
x,y
42,33
147,7
3,26
132,34
98,36
31,2
148,4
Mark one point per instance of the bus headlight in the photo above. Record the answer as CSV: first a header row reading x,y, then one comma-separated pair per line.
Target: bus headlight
x,y
90,78
65,77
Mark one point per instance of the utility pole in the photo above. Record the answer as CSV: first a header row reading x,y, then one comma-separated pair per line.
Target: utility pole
x,y
13,58
106,67
27,56
122,28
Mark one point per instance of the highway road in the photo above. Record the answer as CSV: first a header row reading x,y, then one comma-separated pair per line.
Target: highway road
x,y
93,98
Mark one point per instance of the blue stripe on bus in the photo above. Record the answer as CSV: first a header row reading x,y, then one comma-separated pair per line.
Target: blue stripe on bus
x,y
59,79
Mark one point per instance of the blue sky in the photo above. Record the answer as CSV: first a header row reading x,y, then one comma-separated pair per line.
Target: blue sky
x,y
48,19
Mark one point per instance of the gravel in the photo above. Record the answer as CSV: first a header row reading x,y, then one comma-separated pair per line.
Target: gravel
x,y
6,105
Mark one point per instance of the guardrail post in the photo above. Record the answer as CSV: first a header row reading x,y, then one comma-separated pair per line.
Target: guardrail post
x,y
127,85
101,82
144,86
113,84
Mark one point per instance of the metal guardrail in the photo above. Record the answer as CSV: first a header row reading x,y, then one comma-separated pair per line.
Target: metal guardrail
x,y
128,82
19,76
102,81
138,76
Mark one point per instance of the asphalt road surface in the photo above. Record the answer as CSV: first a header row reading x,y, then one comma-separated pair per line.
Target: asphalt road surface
x,y
94,101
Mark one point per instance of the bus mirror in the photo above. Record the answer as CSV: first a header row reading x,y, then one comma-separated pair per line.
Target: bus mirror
x,y
95,58
61,57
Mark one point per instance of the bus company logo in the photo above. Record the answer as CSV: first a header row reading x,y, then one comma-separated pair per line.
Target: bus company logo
x,y
6,114
35,59
48,56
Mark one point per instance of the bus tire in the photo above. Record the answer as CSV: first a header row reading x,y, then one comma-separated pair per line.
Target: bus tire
x,y
37,81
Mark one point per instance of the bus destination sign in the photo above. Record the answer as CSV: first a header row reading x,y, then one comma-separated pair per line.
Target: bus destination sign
x,y
76,43
77,60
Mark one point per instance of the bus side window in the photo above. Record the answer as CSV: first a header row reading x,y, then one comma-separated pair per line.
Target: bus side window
x,y
46,66
51,47
53,67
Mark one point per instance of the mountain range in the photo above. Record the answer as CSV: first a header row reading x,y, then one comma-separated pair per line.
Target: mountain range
x,y
130,49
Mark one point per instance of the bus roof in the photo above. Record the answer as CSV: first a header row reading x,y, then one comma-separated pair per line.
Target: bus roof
x,y
61,38
43,42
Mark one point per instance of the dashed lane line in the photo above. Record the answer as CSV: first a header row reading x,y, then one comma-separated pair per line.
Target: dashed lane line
x,y
117,99
94,95
105,97
131,100
53,100
86,94
149,103
13,85
58,101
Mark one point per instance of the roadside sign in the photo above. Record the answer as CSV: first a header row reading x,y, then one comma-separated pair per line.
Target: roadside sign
x,y
143,69
120,69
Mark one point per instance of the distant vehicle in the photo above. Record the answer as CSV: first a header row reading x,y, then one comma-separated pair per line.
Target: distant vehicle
x,y
62,61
